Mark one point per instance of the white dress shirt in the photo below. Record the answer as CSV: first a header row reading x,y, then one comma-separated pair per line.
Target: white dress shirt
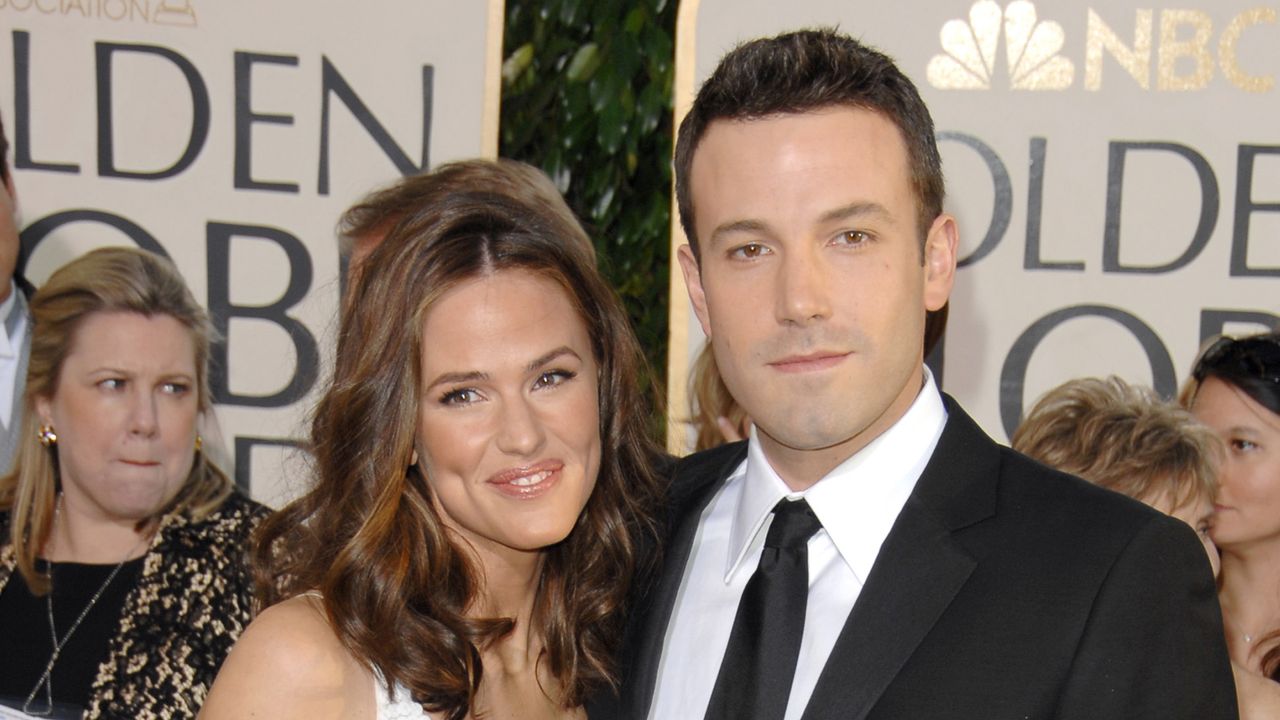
x,y
857,503
10,349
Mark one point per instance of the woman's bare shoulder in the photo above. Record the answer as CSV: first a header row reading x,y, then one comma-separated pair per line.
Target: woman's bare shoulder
x,y
289,663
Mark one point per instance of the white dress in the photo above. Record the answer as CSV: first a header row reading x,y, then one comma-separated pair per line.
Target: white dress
x,y
397,707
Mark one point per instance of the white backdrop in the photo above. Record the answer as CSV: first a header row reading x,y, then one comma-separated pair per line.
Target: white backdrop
x,y
1115,169
230,135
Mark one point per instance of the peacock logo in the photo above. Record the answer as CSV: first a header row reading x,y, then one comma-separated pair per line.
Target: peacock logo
x,y
1032,50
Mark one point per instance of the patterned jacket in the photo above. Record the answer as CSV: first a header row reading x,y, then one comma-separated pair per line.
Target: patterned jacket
x,y
192,600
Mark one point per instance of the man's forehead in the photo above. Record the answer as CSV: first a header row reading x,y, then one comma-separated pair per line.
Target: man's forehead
x,y
857,155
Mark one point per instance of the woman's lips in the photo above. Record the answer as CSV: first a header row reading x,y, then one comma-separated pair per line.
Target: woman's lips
x,y
810,362
528,482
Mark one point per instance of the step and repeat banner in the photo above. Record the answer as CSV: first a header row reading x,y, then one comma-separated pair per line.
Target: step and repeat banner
x,y
230,135
1114,167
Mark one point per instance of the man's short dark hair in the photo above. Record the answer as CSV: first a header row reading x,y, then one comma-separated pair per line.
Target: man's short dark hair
x,y
4,154
800,72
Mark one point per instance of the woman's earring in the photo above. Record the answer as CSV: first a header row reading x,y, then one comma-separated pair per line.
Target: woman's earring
x,y
199,442
47,436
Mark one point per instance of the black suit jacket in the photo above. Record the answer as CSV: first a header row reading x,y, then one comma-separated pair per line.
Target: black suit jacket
x,y
1004,590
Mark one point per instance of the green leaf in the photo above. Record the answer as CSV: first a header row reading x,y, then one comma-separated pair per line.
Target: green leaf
x,y
517,63
584,64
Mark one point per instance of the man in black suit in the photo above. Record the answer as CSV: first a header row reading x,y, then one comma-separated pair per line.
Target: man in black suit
x,y
940,575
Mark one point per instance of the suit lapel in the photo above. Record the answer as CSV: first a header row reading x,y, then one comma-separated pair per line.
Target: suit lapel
x,y
919,570
703,480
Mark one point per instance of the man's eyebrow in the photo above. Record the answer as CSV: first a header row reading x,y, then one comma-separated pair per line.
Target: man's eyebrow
x,y
846,212
855,210
758,227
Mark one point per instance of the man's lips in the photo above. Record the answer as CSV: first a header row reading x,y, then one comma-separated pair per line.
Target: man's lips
x,y
529,481
810,362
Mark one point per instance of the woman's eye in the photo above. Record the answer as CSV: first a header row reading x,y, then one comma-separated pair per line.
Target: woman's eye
x,y
175,388
461,396
1242,445
112,384
552,378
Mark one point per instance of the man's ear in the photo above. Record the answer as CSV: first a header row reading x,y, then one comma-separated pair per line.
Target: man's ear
x,y
940,248
693,281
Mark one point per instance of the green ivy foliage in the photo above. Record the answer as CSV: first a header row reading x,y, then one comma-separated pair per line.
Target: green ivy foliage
x,y
587,97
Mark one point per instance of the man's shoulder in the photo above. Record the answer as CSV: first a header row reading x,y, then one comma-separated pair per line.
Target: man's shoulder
x,y
1037,503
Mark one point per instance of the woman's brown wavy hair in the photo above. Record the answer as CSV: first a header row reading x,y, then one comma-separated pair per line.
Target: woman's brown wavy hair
x,y
396,585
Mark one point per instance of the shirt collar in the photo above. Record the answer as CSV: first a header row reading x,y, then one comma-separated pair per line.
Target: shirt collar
x,y
859,500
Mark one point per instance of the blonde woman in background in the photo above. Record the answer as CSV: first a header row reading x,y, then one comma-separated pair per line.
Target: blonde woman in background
x,y
1126,439
123,573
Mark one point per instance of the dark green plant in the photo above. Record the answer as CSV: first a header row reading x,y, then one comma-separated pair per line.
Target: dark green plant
x,y
587,98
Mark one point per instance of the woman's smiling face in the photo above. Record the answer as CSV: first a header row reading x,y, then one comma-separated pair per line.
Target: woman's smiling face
x,y
508,419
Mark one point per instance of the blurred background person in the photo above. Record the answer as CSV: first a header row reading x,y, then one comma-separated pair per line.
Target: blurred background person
x,y
484,494
1125,438
717,417
15,317
367,223
1235,390
123,573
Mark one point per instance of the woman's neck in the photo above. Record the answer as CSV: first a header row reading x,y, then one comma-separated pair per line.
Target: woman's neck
x,y
1250,598
81,537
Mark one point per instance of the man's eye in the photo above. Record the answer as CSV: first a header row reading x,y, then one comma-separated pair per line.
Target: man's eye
x,y
852,238
750,250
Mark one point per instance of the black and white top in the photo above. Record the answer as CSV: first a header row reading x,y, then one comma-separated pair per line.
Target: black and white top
x,y
187,601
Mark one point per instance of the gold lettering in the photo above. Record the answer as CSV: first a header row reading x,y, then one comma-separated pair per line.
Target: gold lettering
x,y
69,5
53,7
1227,50
1172,49
1136,60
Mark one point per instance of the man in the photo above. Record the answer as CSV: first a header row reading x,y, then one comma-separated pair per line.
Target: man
x,y
15,335
939,574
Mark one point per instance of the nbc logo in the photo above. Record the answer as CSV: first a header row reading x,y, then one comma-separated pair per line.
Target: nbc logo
x,y
1178,46
1031,50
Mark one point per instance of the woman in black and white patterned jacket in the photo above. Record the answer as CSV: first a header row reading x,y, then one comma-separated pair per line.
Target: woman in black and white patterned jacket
x,y
123,581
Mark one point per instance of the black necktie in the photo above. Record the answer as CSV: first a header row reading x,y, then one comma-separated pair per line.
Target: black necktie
x,y
760,661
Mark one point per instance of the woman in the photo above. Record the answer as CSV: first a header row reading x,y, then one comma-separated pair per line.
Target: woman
x,y
129,546
483,494
1126,438
1235,390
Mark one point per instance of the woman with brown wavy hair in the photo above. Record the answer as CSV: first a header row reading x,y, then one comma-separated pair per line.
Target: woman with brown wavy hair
x,y
483,494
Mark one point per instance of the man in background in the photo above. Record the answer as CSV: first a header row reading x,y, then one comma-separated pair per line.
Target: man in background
x,y
15,333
